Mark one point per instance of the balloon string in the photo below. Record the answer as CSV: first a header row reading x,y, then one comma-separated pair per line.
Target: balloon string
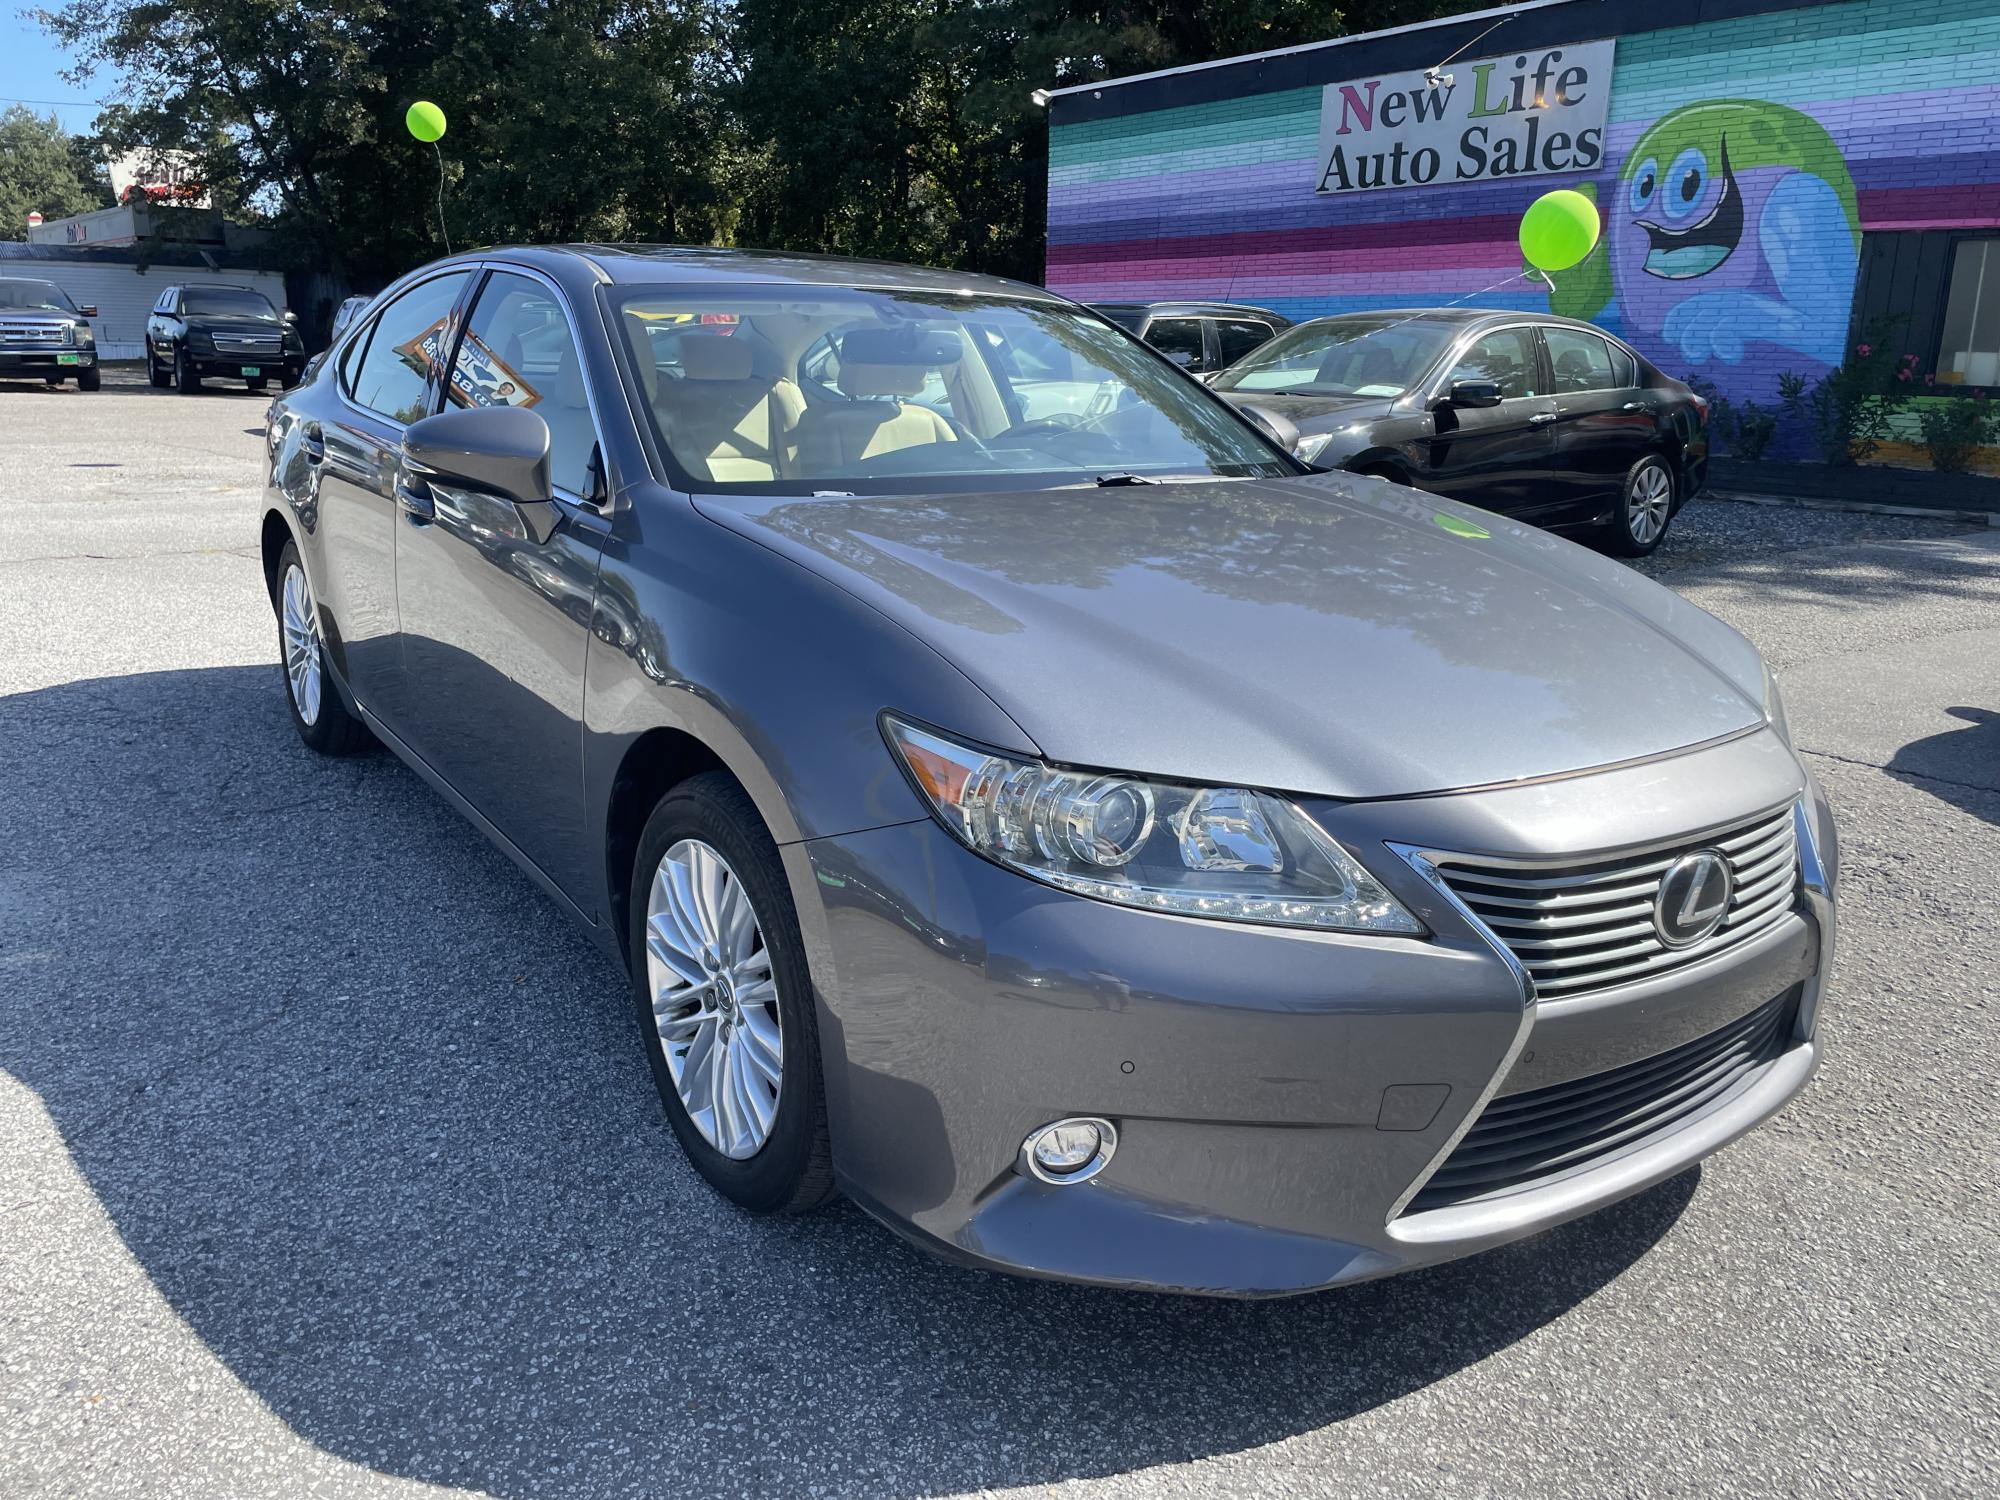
x,y
442,228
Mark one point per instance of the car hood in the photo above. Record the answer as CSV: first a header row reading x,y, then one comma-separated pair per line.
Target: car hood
x,y
1314,413
1327,635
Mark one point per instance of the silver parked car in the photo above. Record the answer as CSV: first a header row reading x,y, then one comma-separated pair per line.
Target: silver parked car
x,y
1095,844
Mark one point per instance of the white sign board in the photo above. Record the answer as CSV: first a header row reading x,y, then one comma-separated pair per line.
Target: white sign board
x,y
157,179
1484,119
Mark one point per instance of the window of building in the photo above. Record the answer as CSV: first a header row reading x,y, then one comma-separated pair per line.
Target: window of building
x,y
1969,348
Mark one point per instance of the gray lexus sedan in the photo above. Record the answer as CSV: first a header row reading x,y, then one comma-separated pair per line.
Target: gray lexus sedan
x,y
1026,800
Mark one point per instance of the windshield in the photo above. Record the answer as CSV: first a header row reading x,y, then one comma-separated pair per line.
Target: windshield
x,y
1355,355
34,296
231,302
783,390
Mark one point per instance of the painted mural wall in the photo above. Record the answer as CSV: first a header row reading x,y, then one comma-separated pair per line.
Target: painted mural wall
x,y
1743,161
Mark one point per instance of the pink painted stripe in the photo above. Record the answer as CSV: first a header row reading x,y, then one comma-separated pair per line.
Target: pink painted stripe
x,y
1188,280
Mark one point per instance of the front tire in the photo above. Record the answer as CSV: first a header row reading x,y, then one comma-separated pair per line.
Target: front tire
x,y
724,1001
156,377
186,381
89,380
1645,506
319,714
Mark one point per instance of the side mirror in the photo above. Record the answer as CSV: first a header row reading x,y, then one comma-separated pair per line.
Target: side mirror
x,y
1472,393
289,316
87,309
502,450
1276,426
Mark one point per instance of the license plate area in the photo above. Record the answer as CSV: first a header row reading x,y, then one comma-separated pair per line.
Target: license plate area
x,y
253,371
69,359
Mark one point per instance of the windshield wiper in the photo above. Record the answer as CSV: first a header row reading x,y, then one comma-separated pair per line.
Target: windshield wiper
x,y
1122,476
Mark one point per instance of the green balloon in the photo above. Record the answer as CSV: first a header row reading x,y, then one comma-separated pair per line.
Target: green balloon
x,y
426,121
1558,230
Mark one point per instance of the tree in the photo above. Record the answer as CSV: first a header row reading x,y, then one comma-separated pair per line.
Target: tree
x,y
45,170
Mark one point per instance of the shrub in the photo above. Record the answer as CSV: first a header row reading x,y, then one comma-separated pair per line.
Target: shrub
x,y
1953,426
1846,411
1743,431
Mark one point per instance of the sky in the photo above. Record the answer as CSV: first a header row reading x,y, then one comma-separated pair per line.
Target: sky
x,y
31,67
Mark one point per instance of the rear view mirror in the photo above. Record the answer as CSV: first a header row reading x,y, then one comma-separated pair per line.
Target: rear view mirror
x,y
1473,393
502,450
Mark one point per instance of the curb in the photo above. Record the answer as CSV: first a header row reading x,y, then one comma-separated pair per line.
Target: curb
x,y
1862,507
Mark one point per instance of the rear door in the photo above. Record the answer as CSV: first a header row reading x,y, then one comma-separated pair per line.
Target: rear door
x,y
1604,422
1500,457
495,599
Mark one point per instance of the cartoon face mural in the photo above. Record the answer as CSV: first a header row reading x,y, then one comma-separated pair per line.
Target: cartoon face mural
x,y
1732,225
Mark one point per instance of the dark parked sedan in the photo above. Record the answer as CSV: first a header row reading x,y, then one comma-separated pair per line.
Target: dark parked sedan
x,y
1100,847
1549,420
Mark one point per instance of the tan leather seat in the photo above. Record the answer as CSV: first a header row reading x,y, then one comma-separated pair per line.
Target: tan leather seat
x,y
836,435
722,419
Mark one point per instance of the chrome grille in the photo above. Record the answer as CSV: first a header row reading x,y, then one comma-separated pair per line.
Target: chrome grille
x,y
1584,926
265,345
34,335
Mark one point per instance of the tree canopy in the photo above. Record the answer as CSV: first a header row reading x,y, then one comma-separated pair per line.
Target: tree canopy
x,y
45,170
894,128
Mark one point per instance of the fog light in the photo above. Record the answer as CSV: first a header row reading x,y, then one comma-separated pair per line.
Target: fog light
x,y
1070,1150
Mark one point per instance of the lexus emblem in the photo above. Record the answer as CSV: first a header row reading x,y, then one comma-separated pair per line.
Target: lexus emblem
x,y
1693,898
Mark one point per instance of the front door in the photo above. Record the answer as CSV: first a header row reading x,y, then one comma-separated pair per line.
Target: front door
x,y
495,608
1604,422
355,444
1500,457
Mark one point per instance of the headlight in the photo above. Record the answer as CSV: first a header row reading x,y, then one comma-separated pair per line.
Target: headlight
x,y
81,335
1774,707
1308,449
1200,851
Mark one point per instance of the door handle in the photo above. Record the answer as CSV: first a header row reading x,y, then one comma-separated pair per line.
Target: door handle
x,y
1542,416
1634,406
313,446
413,497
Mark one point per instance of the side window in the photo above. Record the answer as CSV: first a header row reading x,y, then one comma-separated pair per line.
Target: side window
x,y
1624,368
518,351
1581,361
1236,337
1180,340
1506,358
402,347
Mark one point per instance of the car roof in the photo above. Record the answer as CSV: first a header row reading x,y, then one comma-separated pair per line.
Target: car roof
x,y
1186,307
1464,316
641,265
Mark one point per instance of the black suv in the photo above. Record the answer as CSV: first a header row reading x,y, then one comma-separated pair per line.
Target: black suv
x,y
1200,337
43,333
228,331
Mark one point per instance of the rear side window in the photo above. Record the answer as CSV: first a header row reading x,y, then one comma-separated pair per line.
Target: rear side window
x,y
1507,358
1236,337
1581,361
1624,368
404,343
1180,340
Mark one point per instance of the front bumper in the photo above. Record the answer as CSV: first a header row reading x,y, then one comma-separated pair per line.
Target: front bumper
x,y
46,361
231,366
1279,1095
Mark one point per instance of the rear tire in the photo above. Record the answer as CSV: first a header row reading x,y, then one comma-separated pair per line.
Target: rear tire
x,y
1645,507
259,383
319,713
53,382
710,820
186,381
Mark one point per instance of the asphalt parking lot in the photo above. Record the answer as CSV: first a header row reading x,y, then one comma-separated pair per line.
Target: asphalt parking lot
x,y
329,1164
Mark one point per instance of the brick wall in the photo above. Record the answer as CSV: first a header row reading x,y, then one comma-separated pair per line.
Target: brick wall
x,y
1885,114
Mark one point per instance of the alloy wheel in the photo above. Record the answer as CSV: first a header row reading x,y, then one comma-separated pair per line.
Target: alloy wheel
x,y
1648,504
300,622
715,999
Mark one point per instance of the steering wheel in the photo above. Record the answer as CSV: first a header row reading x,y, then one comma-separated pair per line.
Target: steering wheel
x,y
1061,423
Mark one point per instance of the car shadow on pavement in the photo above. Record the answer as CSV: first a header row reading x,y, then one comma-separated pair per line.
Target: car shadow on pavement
x,y
1961,766
374,1120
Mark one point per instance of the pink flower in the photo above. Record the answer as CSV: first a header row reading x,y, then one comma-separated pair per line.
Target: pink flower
x,y
1864,349
1909,359
1930,380
1904,373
